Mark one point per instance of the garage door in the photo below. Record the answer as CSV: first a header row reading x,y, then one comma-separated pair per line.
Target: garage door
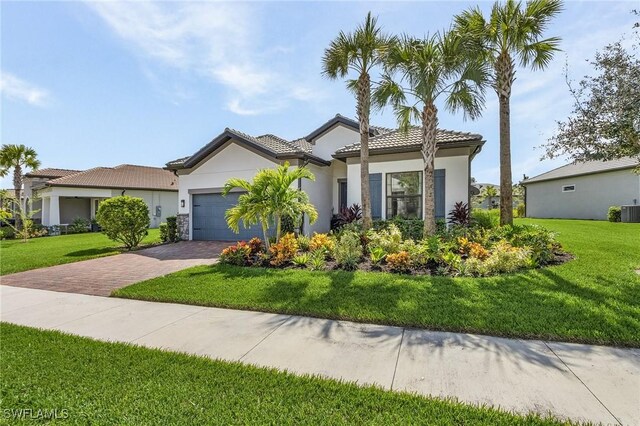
x,y
208,219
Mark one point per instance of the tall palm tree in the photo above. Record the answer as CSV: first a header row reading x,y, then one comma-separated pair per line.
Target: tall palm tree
x,y
359,52
511,33
17,157
417,74
269,198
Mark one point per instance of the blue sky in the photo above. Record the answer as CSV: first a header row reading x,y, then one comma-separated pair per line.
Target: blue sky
x,y
103,83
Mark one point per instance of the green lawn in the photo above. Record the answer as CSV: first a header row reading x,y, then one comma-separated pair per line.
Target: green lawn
x,y
113,383
594,298
16,255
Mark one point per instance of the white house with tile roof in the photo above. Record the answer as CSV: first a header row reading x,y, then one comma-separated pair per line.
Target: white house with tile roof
x,y
331,152
63,195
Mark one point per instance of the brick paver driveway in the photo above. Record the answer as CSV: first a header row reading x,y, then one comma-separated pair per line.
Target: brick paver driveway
x,y
100,276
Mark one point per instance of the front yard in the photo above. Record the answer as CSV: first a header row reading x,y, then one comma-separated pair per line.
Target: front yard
x,y
594,298
93,382
17,256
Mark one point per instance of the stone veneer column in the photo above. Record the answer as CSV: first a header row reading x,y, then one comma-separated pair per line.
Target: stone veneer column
x,y
182,221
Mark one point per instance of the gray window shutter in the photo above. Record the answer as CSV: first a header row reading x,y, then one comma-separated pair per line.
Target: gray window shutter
x,y
439,178
375,187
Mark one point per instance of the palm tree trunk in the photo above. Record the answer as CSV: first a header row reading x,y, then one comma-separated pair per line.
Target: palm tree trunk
x,y
364,108
17,187
429,132
278,228
265,228
504,81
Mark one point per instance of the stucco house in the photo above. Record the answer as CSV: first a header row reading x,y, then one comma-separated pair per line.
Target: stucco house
x,y
62,195
331,152
583,190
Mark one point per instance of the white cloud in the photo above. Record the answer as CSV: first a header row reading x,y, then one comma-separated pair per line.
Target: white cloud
x,y
15,88
214,40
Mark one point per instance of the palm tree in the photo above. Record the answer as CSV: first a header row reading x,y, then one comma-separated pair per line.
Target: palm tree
x,y
418,73
269,198
511,33
17,157
359,52
489,193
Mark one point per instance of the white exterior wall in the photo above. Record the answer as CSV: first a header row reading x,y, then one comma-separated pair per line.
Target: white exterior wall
x,y
329,142
593,196
456,175
231,161
166,200
320,195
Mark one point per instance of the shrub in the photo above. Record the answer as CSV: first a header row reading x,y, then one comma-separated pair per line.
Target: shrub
x,y
541,242
164,233
238,254
283,251
460,214
255,245
487,219
347,215
303,242
172,229
79,225
321,242
614,214
124,219
389,239
348,251
399,262
504,258
301,260
317,260
409,228
7,233
377,255
519,210
451,261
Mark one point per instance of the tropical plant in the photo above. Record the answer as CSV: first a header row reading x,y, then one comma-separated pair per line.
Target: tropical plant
x,y
79,225
348,251
377,255
399,262
418,73
269,198
321,242
17,157
486,219
238,254
488,193
460,214
301,259
22,225
284,250
359,52
124,219
511,33
348,215
317,260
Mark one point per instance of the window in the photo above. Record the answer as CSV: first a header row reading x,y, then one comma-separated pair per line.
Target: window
x,y
404,195
568,188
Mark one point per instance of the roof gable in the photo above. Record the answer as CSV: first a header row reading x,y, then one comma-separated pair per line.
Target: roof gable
x,y
586,168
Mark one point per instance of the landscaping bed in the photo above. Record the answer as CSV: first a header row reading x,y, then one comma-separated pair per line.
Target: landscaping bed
x,y
594,298
91,382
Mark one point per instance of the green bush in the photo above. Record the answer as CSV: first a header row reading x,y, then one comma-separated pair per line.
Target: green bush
x,y
7,233
317,260
614,214
348,251
164,232
487,219
124,219
389,239
410,228
504,258
79,225
519,210
172,229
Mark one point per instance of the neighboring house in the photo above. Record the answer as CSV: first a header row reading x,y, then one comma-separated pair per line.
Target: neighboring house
x,y
484,202
64,195
583,190
331,152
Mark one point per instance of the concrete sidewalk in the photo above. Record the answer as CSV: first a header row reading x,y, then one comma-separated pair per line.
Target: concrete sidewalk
x,y
580,382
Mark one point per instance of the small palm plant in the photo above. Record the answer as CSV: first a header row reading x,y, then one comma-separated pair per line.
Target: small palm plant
x,y
511,33
420,72
268,198
359,52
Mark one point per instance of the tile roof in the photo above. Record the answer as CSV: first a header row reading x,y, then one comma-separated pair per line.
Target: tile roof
x,y
124,176
400,140
586,168
51,173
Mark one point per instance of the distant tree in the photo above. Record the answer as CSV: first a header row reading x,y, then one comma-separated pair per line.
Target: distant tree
x,y
605,120
359,52
512,32
16,158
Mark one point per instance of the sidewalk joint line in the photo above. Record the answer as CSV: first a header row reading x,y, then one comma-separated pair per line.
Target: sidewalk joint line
x,y
395,369
167,325
265,337
583,383
87,316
